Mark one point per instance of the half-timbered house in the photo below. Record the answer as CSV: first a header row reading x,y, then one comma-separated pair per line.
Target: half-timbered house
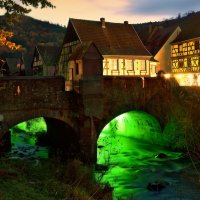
x,y
157,40
185,57
45,59
114,48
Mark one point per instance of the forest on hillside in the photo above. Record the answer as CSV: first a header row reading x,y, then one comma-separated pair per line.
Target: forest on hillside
x,y
28,32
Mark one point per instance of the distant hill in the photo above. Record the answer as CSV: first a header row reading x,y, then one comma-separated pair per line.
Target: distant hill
x,y
29,32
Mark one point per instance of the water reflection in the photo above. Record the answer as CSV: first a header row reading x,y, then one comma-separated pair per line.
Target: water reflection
x,y
24,140
132,161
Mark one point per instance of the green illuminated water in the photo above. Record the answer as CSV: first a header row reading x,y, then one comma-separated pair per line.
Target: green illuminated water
x,y
23,139
128,145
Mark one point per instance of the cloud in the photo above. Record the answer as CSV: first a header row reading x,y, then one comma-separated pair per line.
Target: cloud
x,y
135,11
160,7
82,9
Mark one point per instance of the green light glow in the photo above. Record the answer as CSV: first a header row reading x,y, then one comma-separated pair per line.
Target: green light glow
x,y
128,145
30,127
139,125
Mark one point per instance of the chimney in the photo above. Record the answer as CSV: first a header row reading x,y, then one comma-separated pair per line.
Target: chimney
x,y
103,24
125,22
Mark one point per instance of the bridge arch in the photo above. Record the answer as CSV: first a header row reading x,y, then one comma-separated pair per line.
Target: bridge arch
x,y
11,120
121,111
136,124
61,129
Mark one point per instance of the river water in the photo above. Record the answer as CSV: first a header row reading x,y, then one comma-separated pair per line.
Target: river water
x,y
133,162
129,146
23,140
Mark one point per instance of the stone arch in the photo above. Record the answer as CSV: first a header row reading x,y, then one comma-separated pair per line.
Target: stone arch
x,y
109,118
69,134
13,118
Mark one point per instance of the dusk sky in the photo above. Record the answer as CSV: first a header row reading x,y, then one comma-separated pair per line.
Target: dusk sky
x,y
135,11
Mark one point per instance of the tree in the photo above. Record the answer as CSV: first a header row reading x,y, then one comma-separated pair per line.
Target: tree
x,y
4,40
13,9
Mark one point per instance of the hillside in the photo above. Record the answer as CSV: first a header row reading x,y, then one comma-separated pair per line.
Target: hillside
x,y
29,32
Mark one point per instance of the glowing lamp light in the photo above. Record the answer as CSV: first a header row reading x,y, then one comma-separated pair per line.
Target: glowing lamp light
x,y
167,76
190,76
179,76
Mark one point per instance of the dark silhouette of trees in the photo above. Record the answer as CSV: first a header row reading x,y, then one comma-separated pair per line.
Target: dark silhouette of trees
x,y
20,6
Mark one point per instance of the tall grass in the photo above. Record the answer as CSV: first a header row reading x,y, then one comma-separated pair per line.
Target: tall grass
x,y
49,180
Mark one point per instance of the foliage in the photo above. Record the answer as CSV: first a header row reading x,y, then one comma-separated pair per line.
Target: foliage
x,y
29,32
14,7
4,40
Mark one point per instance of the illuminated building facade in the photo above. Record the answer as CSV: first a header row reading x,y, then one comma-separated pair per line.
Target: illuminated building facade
x,y
185,61
157,40
100,48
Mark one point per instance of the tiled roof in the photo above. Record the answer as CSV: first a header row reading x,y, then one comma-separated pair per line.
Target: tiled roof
x,y
49,53
158,37
115,39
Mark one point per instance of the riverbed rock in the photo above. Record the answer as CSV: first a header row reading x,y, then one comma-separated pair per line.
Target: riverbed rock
x,y
157,185
100,167
100,146
161,155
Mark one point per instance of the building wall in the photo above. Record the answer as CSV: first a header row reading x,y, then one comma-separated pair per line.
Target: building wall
x,y
67,50
124,66
185,57
164,54
92,64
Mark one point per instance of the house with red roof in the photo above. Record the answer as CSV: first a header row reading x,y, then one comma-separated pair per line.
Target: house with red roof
x,y
99,48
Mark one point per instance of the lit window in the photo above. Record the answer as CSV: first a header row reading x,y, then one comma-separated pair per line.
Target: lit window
x,y
115,64
140,64
129,64
180,49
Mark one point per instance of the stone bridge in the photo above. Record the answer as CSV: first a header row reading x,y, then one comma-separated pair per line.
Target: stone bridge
x,y
77,117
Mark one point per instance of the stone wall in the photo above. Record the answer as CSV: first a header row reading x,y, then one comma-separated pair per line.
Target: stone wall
x,y
23,98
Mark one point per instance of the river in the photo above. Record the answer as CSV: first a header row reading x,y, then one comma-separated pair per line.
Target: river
x,y
133,162
129,146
